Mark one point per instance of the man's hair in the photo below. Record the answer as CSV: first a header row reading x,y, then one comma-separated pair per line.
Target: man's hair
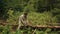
x,y
25,13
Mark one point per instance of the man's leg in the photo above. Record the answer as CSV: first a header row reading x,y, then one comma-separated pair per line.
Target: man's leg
x,y
19,24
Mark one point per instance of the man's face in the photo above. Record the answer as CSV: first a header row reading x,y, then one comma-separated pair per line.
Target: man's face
x,y
25,15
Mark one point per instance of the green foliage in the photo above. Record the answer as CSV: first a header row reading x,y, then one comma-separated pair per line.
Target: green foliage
x,y
41,18
6,30
50,14
56,13
13,16
18,32
28,30
1,29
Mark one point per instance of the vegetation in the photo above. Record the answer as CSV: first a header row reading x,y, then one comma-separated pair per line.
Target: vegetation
x,y
41,12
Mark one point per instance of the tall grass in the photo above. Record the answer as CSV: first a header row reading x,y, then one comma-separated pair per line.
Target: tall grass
x,y
29,30
6,30
35,18
41,18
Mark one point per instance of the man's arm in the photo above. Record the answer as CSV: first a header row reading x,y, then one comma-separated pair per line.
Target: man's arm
x,y
20,21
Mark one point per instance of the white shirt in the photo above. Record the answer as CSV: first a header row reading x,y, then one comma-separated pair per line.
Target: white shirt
x,y
23,20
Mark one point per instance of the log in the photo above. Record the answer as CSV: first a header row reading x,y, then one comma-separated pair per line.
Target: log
x,y
33,26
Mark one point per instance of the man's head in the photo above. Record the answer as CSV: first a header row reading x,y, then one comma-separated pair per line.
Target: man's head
x,y
26,13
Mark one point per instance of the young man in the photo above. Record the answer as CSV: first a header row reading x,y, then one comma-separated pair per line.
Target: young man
x,y
23,20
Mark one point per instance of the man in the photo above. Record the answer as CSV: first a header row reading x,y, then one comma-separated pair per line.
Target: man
x,y
23,20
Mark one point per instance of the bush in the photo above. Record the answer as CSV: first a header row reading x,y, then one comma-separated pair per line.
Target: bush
x,y
41,18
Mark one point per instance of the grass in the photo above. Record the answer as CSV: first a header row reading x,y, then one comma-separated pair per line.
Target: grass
x,y
28,30
41,18
35,18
